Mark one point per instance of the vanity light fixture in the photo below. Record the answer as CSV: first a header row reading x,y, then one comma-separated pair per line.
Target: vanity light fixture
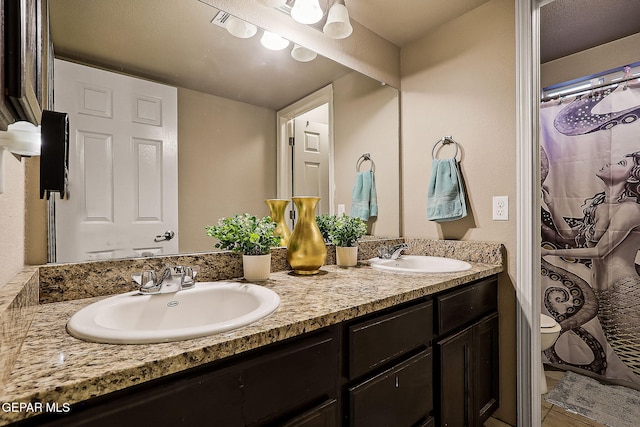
x,y
338,25
273,41
239,28
21,139
302,54
307,11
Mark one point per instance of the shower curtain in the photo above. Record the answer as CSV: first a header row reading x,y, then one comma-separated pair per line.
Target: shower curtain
x,y
590,173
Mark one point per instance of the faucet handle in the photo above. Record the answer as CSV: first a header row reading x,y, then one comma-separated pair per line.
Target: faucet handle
x,y
385,252
188,279
148,282
167,280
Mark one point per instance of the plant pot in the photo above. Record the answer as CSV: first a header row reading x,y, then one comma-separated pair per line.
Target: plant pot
x,y
256,268
346,256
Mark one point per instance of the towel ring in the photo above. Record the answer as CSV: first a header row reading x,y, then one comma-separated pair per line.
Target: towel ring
x,y
365,157
445,140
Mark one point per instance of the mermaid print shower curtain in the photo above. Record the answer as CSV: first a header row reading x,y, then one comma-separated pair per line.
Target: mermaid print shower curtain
x,y
590,173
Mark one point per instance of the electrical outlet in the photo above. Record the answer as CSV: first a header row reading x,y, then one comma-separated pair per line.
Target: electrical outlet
x,y
341,209
501,208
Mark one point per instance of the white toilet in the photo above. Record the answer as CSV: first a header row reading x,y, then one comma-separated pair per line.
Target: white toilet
x,y
549,333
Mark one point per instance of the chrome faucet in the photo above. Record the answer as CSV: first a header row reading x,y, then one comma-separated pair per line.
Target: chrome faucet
x,y
170,279
392,252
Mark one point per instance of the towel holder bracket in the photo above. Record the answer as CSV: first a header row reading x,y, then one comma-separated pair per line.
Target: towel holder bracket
x,y
444,141
364,158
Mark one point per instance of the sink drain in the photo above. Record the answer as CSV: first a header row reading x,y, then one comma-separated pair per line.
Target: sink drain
x,y
172,304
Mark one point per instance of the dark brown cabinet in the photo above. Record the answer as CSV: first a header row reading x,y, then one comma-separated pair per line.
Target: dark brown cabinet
x,y
325,415
390,368
432,361
399,396
270,386
468,374
454,356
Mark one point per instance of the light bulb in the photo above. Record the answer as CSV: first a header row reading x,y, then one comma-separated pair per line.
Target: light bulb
x,y
306,11
338,25
273,41
239,28
302,54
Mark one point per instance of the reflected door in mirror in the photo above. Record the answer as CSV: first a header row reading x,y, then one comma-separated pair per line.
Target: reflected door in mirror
x,y
311,162
122,165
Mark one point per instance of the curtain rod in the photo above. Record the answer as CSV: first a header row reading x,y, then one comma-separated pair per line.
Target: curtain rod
x,y
598,86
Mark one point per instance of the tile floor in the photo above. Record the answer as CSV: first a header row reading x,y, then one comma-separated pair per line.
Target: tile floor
x,y
552,415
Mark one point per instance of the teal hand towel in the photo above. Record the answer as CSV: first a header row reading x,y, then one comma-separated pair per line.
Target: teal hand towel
x,y
445,196
364,200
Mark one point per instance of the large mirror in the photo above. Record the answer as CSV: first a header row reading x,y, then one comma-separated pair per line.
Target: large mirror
x,y
228,92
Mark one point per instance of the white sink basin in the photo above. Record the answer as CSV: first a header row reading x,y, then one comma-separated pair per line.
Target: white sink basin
x,y
420,264
208,308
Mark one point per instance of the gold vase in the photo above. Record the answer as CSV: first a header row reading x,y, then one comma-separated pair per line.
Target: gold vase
x,y
277,208
306,252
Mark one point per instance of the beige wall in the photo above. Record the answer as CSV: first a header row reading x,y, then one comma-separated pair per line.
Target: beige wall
x,y
366,120
36,218
226,163
591,61
460,81
11,216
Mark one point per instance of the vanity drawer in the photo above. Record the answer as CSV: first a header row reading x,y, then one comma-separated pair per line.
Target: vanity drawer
x,y
379,340
459,307
325,415
401,396
295,376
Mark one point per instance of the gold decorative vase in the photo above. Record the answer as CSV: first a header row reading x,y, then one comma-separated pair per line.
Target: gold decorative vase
x,y
277,208
306,252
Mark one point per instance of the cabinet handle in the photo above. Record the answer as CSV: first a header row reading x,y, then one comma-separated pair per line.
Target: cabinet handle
x,y
397,382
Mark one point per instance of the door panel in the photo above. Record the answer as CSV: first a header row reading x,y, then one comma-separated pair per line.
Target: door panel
x,y
123,168
311,162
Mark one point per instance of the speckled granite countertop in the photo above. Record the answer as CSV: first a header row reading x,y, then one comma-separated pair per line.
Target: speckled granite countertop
x,y
52,366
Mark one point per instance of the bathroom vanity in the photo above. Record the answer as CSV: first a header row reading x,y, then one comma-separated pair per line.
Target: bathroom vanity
x,y
354,347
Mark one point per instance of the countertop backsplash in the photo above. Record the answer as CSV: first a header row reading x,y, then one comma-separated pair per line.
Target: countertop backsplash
x,y
66,282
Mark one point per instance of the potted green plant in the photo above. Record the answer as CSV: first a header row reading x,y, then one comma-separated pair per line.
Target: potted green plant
x,y
253,237
325,224
344,233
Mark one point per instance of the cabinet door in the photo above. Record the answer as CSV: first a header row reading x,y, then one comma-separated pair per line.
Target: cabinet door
x,y
468,375
193,401
454,360
485,368
399,397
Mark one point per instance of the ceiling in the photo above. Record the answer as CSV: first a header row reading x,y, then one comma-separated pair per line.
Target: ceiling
x,y
404,21
174,42
570,26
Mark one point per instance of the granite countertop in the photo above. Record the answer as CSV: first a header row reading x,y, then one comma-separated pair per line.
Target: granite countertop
x,y
53,367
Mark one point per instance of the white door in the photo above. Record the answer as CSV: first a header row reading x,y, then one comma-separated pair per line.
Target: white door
x,y
123,166
311,162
